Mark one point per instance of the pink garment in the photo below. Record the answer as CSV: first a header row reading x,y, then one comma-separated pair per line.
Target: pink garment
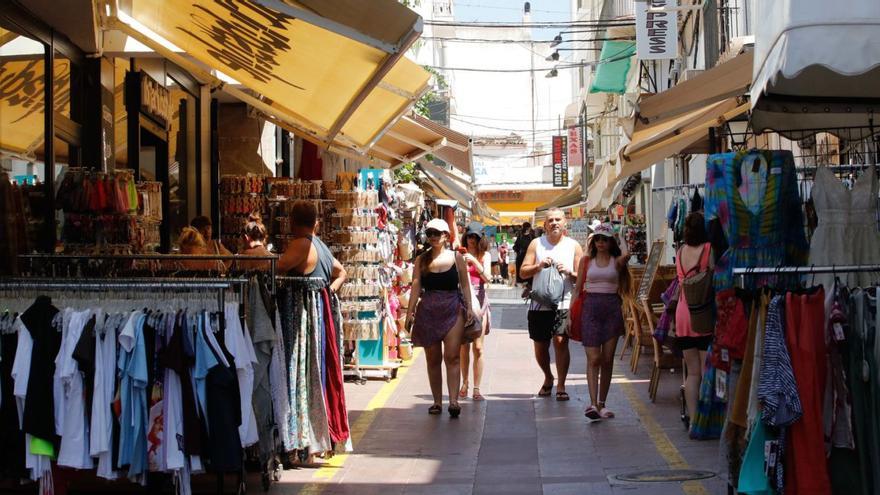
x,y
602,279
474,274
682,314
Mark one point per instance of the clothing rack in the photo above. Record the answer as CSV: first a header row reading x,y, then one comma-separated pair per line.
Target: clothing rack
x,y
190,284
742,273
273,260
220,285
677,187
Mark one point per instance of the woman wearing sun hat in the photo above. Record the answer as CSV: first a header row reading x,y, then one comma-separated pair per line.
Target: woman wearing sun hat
x,y
439,306
605,278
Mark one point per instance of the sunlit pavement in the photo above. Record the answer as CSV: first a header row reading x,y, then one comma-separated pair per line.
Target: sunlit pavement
x,y
514,442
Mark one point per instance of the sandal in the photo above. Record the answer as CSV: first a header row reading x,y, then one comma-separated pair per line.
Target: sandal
x,y
562,396
545,390
477,395
605,412
454,410
592,414
463,393
435,410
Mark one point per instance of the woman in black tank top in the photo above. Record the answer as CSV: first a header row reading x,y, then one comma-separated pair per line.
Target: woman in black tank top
x,y
439,306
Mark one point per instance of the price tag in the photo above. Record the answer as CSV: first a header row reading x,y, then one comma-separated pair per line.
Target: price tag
x,y
771,456
838,332
725,355
721,384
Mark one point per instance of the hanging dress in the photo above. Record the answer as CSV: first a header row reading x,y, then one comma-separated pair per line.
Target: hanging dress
x,y
764,229
847,232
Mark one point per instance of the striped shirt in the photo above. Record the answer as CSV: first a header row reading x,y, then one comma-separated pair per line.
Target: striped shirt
x,y
777,389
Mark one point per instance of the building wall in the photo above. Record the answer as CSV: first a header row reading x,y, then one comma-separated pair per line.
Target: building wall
x,y
246,143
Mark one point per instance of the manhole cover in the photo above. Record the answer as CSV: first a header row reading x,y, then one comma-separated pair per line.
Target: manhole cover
x,y
665,475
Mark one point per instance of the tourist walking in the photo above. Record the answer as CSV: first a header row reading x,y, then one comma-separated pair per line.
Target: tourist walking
x,y
503,253
552,251
478,273
520,246
605,277
692,258
439,307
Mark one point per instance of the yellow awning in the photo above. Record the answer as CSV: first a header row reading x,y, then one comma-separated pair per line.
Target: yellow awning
x,y
519,208
407,141
332,69
678,120
446,185
457,151
567,198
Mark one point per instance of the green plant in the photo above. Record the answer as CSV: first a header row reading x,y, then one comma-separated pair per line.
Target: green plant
x,y
405,173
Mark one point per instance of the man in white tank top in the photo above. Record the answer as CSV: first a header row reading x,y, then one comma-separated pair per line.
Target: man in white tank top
x,y
546,324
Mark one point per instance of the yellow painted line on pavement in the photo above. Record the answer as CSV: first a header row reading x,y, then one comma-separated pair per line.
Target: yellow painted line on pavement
x,y
358,429
661,441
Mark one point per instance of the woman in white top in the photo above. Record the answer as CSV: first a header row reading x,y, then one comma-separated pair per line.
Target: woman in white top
x,y
605,281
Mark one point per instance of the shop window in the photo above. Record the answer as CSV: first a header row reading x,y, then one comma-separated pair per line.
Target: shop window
x,y
22,96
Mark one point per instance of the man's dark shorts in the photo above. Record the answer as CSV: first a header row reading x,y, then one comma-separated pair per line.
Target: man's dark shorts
x,y
544,325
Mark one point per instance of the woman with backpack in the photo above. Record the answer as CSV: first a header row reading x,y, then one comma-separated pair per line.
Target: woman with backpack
x,y
604,276
694,264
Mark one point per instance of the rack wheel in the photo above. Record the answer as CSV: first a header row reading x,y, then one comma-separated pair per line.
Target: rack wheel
x,y
394,374
266,481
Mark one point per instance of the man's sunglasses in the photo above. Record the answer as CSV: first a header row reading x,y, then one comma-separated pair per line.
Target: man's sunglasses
x,y
433,233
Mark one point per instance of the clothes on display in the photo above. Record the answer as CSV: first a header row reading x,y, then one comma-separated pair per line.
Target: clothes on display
x,y
312,417
20,208
753,212
110,211
847,232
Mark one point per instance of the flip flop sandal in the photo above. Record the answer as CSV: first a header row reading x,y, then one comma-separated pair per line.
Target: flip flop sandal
x,y
562,396
463,393
606,413
545,391
435,410
454,411
592,414
477,395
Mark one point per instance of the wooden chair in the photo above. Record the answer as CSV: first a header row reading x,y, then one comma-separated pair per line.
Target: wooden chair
x,y
642,333
631,325
662,359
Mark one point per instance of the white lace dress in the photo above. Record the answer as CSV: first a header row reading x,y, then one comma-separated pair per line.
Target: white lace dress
x,y
847,233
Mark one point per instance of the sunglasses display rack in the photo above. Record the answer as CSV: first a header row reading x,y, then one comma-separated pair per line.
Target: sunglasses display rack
x,y
636,238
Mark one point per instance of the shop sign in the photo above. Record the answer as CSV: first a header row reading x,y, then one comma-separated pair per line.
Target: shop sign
x,y
656,32
155,100
575,155
560,162
500,195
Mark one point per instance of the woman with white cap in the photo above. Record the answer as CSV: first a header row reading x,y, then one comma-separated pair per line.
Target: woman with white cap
x,y
439,308
604,275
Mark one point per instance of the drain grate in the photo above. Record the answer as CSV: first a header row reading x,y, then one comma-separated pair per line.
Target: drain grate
x,y
665,475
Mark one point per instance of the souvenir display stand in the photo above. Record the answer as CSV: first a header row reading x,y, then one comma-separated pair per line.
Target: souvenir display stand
x,y
359,235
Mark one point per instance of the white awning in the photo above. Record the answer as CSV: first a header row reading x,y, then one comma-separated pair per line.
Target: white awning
x,y
817,65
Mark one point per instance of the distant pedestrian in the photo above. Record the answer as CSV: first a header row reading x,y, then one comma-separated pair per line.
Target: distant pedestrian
x,y
607,279
552,251
503,252
478,273
495,257
439,307
520,246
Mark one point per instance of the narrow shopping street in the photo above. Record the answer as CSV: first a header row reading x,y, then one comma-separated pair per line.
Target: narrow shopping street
x,y
514,442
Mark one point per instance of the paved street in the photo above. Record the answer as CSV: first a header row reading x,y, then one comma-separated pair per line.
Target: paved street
x,y
514,442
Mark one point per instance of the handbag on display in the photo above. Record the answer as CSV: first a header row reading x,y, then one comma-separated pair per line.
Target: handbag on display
x,y
577,302
698,292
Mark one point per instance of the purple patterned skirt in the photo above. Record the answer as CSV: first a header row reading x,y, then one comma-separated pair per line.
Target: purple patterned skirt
x,y
436,314
601,319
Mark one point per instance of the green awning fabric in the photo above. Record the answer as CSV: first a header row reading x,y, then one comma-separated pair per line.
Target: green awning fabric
x,y
613,67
